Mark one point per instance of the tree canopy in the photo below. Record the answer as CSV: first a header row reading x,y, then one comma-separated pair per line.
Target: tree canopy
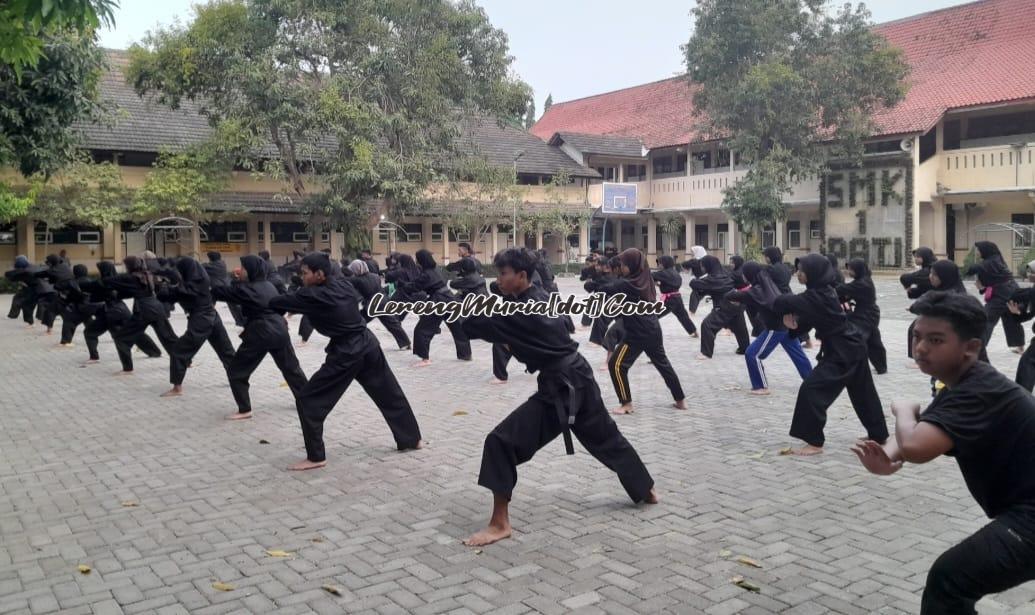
x,y
346,102
25,24
788,85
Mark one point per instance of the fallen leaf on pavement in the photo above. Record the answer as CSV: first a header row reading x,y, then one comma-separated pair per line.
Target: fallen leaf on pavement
x,y
223,587
787,451
725,553
277,553
460,413
130,504
330,589
739,581
264,441
83,568
747,561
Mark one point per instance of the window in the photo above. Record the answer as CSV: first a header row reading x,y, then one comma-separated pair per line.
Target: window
x,y
721,231
436,232
814,229
701,235
1023,241
236,237
793,234
456,236
325,237
219,232
300,237
1001,125
635,172
722,159
415,232
768,237
88,237
702,160
952,133
662,164
608,173
680,163
44,238
286,232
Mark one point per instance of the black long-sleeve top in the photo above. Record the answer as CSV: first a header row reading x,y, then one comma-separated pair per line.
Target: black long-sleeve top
x,y
537,341
639,329
819,309
368,286
332,308
668,280
780,274
916,282
771,321
470,284
263,324
430,282
145,303
863,297
454,267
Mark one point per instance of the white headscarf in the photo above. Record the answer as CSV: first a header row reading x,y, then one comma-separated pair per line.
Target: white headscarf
x,y
698,252
358,267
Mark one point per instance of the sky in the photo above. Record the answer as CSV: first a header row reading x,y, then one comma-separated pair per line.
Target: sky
x,y
567,48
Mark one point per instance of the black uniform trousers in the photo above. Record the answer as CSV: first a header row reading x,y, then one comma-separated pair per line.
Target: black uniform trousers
x,y
394,326
875,350
990,561
674,305
99,325
600,325
246,360
70,320
428,327
305,328
202,326
500,359
129,333
996,309
733,319
359,359
48,308
823,386
237,313
1026,368
535,423
626,353
18,302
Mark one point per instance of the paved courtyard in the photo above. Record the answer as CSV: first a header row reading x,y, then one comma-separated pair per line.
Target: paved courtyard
x,y
166,502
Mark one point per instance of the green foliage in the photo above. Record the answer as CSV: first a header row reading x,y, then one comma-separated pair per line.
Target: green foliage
x,y
970,260
367,94
478,194
181,182
37,112
26,24
530,114
14,204
548,103
85,192
789,86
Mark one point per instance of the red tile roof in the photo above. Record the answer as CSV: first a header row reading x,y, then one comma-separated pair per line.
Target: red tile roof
x,y
963,56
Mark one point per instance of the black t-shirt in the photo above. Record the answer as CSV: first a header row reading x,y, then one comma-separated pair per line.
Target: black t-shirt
x,y
991,421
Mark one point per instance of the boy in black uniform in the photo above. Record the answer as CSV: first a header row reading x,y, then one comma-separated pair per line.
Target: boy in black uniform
x,y
567,401
332,305
988,424
368,284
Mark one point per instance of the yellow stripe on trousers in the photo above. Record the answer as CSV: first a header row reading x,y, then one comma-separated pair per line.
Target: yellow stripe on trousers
x,y
618,372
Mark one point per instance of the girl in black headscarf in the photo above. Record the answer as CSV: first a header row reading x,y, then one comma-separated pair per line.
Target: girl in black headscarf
x,y
916,284
111,314
642,333
945,276
840,364
193,292
996,283
669,281
139,284
836,268
861,295
403,271
716,283
431,283
1022,307
761,294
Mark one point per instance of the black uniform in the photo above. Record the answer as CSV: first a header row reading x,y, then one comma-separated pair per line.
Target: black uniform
x,y
669,282
57,275
76,307
865,313
641,334
431,283
725,314
265,332
111,315
148,311
840,364
219,277
567,401
999,285
369,286
27,297
194,294
353,353
916,284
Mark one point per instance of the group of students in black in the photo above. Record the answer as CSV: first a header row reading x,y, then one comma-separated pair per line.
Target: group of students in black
x,y
982,418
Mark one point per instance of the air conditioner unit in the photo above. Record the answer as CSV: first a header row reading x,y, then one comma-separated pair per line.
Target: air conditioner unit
x,y
88,237
299,237
236,237
44,238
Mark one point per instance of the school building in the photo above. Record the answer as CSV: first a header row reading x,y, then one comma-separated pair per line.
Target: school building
x,y
952,164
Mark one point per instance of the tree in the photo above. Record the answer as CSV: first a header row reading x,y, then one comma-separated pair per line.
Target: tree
x,y
548,103
26,24
39,110
357,100
478,195
789,86
85,192
530,114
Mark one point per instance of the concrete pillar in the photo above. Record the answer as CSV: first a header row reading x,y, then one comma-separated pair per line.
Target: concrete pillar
x,y
426,225
253,234
445,244
689,232
731,239
195,239
267,233
538,238
336,241
494,238
26,238
583,239
118,249
652,234
109,239
781,234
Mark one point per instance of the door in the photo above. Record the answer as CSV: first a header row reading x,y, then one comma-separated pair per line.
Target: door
x,y
950,233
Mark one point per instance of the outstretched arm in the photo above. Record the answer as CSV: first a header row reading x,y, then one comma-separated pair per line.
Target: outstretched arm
x,y
918,442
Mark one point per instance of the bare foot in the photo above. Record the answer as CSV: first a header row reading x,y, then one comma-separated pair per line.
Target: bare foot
x,y
66,345
623,409
489,535
809,344
679,405
497,381
760,391
806,451
422,363
49,332
305,464
90,362
29,327
416,447
603,368
125,372
301,344
694,335
652,497
703,357
912,366
239,416
726,332
176,391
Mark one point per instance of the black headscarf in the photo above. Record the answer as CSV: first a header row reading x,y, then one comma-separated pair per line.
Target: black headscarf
x,y
859,268
106,269
712,266
318,261
666,262
255,267
192,275
80,271
737,261
468,265
988,250
773,255
406,263
927,255
426,260
949,276
762,287
639,273
993,267
817,269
